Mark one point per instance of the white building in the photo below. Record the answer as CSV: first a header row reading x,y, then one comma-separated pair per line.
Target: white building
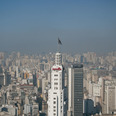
x,y
35,109
17,72
96,90
109,104
12,110
27,108
56,92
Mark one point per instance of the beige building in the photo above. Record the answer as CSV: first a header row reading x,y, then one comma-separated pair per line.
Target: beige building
x,y
109,103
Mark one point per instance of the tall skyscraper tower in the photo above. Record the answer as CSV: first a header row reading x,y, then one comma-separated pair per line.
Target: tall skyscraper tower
x,y
75,90
56,92
2,77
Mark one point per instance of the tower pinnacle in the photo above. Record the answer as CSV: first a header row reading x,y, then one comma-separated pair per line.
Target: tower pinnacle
x,y
58,58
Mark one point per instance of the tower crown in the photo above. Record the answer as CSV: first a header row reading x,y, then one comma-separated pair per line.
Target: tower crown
x,y
58,58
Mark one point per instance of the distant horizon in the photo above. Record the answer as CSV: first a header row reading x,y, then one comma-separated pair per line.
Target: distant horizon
x,y
44,53
34,26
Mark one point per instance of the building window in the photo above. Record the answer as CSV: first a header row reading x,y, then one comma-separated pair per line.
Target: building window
x,y
55,83
55,88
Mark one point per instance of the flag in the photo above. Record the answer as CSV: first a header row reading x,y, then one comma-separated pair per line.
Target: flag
x,y
59,42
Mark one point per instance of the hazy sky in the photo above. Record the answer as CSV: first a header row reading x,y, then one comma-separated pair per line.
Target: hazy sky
x,y
35,25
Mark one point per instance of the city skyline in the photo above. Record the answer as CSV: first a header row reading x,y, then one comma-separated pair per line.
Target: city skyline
x,y
34,26
40,85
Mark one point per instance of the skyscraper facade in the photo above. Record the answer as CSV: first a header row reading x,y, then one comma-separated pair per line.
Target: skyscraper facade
x,y
2,77
56,92
75,90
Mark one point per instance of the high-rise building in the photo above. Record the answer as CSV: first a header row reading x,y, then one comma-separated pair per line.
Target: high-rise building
x,y
16,72
75,90
2,77
56,92
109,102
34,79
8,78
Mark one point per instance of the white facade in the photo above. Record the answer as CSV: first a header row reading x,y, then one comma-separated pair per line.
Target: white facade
x,y
110,97
4,79
13,111
96,90
69,90
27,108
17,73
35,109
56,92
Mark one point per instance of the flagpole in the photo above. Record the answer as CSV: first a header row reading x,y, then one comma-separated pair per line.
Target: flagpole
x,y
59,43
58,47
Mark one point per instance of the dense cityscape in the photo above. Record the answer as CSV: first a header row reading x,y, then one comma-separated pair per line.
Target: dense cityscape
x,y
57,58
57,84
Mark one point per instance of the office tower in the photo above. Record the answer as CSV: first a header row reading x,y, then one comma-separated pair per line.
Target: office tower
x,y
109,102
27,109
35,109
81,59
34,79
56,92
16,72
2,77
75,90
8,78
